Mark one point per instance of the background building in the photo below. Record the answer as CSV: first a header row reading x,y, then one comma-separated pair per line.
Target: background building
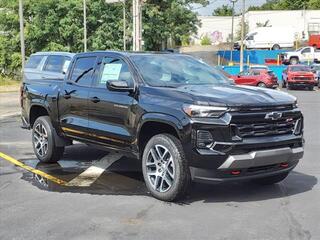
x,y
219,28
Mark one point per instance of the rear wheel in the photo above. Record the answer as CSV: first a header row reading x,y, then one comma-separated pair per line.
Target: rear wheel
x,y
165,168
262,85
276,47
310,88
294,60
43,141
271,180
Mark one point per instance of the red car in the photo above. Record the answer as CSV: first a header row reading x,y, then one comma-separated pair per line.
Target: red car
x,y
298,76
257,77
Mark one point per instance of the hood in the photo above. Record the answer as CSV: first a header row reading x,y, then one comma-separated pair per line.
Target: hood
x,y
233,95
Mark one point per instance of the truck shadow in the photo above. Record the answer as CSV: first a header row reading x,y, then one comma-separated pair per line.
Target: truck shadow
x,y
124,177
295,183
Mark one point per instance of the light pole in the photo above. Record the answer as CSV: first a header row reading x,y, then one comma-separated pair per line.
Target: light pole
x,y
84,25
124,20
22,46
242,34
232,29
137,25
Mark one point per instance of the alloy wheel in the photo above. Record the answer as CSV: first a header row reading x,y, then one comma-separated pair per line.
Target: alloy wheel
x,y
40,139
160,168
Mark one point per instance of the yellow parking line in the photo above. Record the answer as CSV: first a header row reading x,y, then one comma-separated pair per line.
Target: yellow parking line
x,y
31,169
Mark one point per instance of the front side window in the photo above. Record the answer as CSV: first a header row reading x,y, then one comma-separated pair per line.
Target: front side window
x,y
34,61
307,50
114,69
169,70
56,64
82,71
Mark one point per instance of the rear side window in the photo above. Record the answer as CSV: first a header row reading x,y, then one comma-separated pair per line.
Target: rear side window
x,y
56,64
34,61
82,71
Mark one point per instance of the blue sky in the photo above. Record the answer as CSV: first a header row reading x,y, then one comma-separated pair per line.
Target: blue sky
x,y
217,3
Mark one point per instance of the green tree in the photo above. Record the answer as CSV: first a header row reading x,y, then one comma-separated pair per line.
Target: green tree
x,y
246,30
224,10
57,25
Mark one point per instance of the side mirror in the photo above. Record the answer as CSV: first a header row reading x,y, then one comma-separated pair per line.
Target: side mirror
x,y
119,86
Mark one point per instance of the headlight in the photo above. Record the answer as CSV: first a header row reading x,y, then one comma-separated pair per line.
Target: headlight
x,y
204,111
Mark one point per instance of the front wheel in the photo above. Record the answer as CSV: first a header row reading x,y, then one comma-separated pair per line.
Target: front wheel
x,y
271,180
44,145
165,168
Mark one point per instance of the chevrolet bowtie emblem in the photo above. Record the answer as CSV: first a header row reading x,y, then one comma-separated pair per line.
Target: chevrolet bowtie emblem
x,y
273,116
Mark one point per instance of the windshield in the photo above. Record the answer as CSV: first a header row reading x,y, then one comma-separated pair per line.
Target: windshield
x,y
176,70
300,69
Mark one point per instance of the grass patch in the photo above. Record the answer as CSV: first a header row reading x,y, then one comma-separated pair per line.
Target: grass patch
x,y
9,81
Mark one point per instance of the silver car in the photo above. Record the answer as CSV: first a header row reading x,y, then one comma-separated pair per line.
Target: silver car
x,y
47,65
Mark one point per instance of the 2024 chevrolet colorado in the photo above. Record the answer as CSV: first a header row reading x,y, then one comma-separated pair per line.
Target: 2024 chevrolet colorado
x,y
182,118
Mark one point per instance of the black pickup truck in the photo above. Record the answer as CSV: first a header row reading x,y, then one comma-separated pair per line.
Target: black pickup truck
x,y
182,118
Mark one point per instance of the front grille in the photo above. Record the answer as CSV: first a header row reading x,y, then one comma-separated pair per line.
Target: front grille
x,y
285,126
250,109
268,121
302,78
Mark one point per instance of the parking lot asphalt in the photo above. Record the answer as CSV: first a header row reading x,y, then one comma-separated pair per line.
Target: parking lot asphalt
x,y
105,197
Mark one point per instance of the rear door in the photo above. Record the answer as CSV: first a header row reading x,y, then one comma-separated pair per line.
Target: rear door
x,y
73,99
111,113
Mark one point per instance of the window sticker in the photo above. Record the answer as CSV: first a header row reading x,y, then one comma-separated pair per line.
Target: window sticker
x,y
110,72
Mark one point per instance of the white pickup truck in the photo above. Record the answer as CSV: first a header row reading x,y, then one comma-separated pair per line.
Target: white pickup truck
x,y
305,54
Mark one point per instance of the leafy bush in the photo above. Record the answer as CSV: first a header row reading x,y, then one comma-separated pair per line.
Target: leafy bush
x,y
185,40
205,40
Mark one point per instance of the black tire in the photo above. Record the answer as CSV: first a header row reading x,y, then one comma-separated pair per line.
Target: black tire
x,y
310,88
52,153
181,180
262,85
294,61
289,87
276,47
271,180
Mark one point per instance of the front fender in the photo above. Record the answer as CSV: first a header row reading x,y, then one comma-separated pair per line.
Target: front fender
x,y
161,118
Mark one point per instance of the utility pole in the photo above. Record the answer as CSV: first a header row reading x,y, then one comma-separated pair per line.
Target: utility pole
x,y
242,34
84,25
137,25
232,30
124,26
23,57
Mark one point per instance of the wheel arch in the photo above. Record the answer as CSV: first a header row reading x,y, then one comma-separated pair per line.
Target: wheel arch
x,y
37,110
152,124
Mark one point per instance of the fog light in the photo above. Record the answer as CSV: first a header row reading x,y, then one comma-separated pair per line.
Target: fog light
x,y
204,139
284,165
236,172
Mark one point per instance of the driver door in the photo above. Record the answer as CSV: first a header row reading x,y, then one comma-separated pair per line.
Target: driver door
x,y
112,113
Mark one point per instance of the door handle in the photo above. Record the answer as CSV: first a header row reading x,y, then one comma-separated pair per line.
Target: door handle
x,y
95,99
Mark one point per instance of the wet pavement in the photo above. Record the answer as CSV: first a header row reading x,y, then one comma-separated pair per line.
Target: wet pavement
x,y
105,197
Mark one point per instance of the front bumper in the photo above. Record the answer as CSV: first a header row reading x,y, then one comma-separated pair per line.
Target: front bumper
x,y
255,164
302,84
